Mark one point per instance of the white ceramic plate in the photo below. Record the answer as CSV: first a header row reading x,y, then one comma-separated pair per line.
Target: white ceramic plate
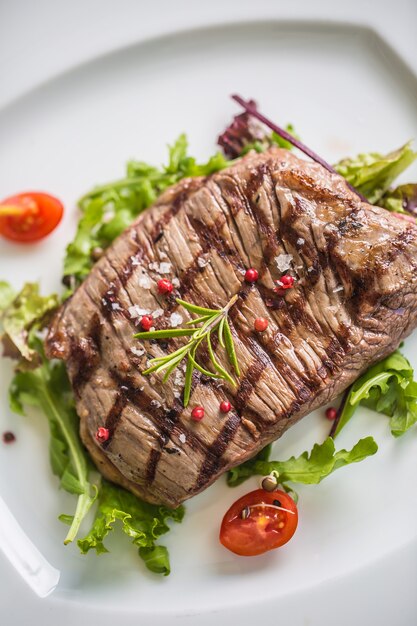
x,y
346,90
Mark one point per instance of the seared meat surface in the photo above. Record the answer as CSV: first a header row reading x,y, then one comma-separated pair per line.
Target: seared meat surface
x,y
353,301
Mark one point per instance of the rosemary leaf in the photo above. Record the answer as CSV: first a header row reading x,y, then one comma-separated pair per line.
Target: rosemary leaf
x,y
221,333
193,308
198,320
209,325
230,347
165,334
210,320
168,357
200,368
217,365
158,367
171,368
188,381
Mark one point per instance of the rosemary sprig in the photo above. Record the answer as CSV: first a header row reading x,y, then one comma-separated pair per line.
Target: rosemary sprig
x,y
208,321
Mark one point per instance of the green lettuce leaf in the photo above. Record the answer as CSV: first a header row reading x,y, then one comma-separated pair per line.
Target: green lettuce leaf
x,y
21,316
373,173
387,387
402,199
306,469
47,388
156,559
144,523
108,210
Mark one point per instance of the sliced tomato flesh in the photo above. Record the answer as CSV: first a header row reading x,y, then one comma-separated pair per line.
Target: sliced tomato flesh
x,y
29,216
258,522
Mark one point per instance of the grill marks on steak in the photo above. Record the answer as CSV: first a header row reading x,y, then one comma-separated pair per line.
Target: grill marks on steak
x,y
318,340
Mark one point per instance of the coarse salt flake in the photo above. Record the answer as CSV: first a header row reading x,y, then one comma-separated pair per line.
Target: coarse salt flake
x,y
202,262
175,319
134,261
178,377
157,313
300,241
175,282
163,255
144,282
137,351
165,268
338,288
136,311
283,262
161,268
116,306
155,403
182,438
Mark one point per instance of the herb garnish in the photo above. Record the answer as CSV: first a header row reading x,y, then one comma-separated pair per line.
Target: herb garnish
x,y
210,320
308,469
387,387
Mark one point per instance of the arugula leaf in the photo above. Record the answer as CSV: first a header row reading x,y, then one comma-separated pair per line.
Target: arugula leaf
x,y
47,388
307,469
387,387
144,523
373,173
237,475
109,209
20,316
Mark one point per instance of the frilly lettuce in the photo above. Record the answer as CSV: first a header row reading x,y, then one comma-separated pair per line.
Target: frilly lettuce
x,y
144,523
372,174
21,315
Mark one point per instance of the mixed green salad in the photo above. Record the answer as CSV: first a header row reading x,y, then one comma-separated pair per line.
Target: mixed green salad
x,y
105,212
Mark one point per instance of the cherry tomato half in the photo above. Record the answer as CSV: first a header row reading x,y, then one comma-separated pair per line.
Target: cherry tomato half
x,y
29,216
258,522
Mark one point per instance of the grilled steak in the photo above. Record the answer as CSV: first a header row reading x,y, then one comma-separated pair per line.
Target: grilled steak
x,y
353,301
